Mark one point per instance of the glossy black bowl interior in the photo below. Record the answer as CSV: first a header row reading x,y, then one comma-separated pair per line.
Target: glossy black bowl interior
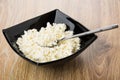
x,y
56,16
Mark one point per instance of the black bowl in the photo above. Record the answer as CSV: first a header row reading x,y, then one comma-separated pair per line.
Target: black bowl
x,y
56,16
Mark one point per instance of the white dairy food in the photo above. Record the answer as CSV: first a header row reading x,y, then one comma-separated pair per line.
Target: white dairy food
x,y
32,41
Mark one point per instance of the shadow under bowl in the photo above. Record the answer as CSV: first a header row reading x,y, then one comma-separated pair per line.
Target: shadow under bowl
x,y
56,16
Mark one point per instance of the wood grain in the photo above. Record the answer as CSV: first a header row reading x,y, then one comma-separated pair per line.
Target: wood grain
x,y
101,61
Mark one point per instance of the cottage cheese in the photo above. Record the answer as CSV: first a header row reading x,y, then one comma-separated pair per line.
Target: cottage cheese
x,y
32,41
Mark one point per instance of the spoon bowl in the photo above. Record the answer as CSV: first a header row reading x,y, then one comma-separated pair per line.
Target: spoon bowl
x,y
56,16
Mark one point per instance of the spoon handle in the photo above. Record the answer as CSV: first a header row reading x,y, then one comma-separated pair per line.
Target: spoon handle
x,y
93,31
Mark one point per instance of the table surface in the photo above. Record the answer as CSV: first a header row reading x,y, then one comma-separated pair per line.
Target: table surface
x,y
100,61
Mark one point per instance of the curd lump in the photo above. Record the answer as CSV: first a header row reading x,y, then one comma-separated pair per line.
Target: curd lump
x,y
32,41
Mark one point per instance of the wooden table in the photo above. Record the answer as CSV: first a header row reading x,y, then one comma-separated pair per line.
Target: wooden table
x,y
100,61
